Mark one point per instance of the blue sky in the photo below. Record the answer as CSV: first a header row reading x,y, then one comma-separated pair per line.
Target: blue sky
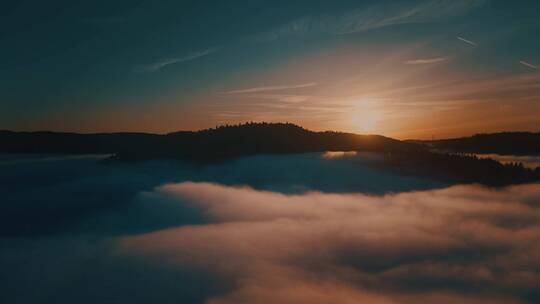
x,y
398,68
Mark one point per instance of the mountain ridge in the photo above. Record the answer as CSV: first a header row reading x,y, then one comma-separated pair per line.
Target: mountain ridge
x,y
419,158
249,138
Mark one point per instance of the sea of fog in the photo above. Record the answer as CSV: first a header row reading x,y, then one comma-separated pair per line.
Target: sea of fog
x,y
528,161
307,228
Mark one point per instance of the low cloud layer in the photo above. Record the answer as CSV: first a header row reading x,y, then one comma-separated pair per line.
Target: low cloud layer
x,y
76,230
43,195
463,244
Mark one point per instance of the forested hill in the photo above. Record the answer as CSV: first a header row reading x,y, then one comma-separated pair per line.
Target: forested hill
x,y
226,142
505,143
265,138
210,144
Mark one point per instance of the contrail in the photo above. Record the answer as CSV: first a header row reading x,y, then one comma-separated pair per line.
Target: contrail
x,y
530,65
467,41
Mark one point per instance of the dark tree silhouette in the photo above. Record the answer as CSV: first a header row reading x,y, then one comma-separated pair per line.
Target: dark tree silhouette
x,y
506,143
231,141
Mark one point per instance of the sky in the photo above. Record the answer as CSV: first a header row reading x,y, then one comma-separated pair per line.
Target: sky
x,y
406,69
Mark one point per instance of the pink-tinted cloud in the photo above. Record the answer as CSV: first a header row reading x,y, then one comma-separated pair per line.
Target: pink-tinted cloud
x,y
463,244
272,88
426,60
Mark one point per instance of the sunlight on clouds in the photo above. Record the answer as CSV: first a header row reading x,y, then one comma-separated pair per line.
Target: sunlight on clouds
x,y
421,90
396,93
463,244
272,88
427,60
338,154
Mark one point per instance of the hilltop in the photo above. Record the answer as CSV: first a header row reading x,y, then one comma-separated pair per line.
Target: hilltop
x,y
433,159
210,144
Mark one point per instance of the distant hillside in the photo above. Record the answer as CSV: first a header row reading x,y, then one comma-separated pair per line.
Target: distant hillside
x,y
73,143
226,142
210,144
459,168
264,138
506,143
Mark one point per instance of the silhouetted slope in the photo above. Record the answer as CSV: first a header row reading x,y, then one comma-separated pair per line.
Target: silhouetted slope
x,y
459,168
211,144
227,142
262,138
73,143
506,143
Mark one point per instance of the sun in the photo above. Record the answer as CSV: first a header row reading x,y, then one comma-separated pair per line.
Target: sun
x,y
366,116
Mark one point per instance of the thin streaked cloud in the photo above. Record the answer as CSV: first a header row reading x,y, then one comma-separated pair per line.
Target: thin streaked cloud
x,y
156,66
376,16
467,41
272,88
287,98
426,60
530,65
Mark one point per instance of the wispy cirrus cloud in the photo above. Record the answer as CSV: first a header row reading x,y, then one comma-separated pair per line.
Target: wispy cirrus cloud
x,y
272,88
286,98
376,16
530,65
158,65
426,60
467,41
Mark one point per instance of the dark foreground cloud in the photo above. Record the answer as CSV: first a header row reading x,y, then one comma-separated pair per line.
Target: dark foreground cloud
x,y
463,244
62,270
42,195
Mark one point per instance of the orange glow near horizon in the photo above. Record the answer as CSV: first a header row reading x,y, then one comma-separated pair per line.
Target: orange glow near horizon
x,y
369,91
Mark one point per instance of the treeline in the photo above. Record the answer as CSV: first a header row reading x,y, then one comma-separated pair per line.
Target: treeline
x,y
230,141
217,143
73,143
506,143
459,168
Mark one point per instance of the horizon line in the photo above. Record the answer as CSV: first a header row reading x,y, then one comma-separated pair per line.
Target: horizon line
x,y
262,122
